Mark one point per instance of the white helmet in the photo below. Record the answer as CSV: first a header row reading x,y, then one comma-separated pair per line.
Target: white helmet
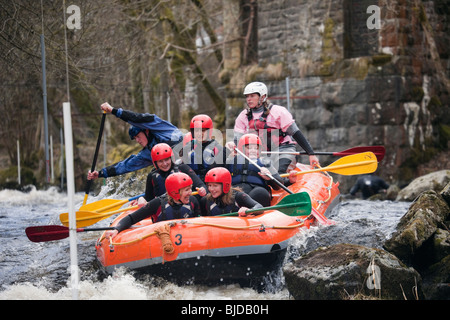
x,y
256,87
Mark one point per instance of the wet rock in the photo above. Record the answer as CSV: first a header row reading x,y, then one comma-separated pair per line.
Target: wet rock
x,y
9,180
445,193
433,181
418,225
344,270
436,284
441,244
392,192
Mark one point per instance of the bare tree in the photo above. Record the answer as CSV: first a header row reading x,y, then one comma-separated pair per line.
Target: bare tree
x,y
130,53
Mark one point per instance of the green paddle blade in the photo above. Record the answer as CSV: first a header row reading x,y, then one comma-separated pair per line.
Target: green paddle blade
x,y
294,205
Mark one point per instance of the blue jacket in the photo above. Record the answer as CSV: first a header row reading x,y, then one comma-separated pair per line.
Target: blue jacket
x,y
161,131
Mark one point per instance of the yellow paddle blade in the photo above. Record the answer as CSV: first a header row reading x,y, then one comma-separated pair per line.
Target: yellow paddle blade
x,y
360,163
104,205
88,218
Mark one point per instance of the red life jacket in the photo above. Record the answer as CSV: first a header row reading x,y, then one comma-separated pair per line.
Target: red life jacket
x,y
260,124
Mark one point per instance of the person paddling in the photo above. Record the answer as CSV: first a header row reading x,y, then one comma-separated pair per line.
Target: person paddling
x,y
177,203
272,123
148,130
162,155
223,197
205,152
252,180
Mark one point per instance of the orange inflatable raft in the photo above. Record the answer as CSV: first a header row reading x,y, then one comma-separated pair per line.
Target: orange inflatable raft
x,y
216,249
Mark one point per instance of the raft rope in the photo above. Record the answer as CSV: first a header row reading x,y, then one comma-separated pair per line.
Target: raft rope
x,y
329,191
261,226
163,232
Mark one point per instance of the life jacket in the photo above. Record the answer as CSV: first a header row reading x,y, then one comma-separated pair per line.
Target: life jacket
x,y
217,207
177,211
256,125
207,158
242,171
158,180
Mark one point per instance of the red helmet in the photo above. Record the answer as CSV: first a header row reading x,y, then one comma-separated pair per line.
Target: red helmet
x,y
175,182
161,151
202,121
220,175
248,138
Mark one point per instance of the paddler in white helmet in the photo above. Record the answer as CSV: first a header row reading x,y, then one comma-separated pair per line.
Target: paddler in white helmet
x,y
274,124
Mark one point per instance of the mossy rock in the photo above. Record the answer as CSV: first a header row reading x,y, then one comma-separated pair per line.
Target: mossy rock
x,y
381,59
8,178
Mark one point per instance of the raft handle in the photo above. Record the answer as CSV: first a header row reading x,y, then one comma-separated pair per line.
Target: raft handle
x,y
111,246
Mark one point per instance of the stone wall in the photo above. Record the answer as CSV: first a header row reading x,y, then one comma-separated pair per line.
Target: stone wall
x,y
396,96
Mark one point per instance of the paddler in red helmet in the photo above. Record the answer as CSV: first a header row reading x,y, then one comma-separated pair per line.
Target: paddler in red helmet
x,y
223,197
178,203
162,157
253,180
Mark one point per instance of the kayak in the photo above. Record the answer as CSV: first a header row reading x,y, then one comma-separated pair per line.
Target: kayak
x,y
217,249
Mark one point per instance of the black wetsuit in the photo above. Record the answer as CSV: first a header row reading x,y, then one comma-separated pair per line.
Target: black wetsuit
x,y
240,199
160,210
368,185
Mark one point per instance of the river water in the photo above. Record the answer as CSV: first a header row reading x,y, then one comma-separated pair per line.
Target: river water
x,y
41,270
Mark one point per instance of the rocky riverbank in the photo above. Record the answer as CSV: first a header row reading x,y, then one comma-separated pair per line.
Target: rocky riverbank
x,y
413,264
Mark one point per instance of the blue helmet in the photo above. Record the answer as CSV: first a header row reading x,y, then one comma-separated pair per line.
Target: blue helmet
x,y
133,132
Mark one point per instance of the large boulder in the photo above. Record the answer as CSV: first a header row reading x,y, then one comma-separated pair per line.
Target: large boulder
x,y
436,281
433,181
418,225
344,271
445,193
441,244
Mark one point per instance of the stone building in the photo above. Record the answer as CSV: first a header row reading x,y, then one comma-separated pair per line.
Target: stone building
x,y
360,73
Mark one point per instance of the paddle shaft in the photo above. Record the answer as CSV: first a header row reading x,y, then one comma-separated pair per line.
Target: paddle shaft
x,y
379,152
94,162
280,206
269,175
122,202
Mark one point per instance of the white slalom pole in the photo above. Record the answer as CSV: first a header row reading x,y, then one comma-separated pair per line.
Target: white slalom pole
x,y
18,163
74,279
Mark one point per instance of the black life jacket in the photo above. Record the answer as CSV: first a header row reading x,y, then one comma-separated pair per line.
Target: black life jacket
x,y
217,207
159,182
242,171
177,211
208,157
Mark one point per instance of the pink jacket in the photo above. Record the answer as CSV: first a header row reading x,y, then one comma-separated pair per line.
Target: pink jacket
x,y
278,118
